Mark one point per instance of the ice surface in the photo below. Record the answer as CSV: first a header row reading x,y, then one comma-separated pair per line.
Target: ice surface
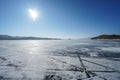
x,y
58,59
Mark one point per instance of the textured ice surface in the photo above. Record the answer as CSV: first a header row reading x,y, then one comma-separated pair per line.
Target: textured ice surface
x,y
58,60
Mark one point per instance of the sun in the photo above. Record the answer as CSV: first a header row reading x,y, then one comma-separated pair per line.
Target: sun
x,y
33,14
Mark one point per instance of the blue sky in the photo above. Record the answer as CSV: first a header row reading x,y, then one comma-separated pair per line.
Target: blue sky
x,y
60,18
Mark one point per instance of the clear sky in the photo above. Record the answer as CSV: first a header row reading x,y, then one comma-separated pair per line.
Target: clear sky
x,y
60,18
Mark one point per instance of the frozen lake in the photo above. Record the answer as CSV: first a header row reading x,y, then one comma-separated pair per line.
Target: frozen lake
x,y
58,59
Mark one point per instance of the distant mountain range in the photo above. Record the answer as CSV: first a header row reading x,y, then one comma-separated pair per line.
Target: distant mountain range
x,y
114,36
8,37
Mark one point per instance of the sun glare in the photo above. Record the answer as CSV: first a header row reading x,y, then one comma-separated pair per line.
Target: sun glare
x,y
33,14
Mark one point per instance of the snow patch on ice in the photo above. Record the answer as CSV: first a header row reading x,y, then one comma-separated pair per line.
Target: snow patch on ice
x,y
112,49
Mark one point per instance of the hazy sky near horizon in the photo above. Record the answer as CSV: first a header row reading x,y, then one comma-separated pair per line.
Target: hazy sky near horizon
x,y
60,18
